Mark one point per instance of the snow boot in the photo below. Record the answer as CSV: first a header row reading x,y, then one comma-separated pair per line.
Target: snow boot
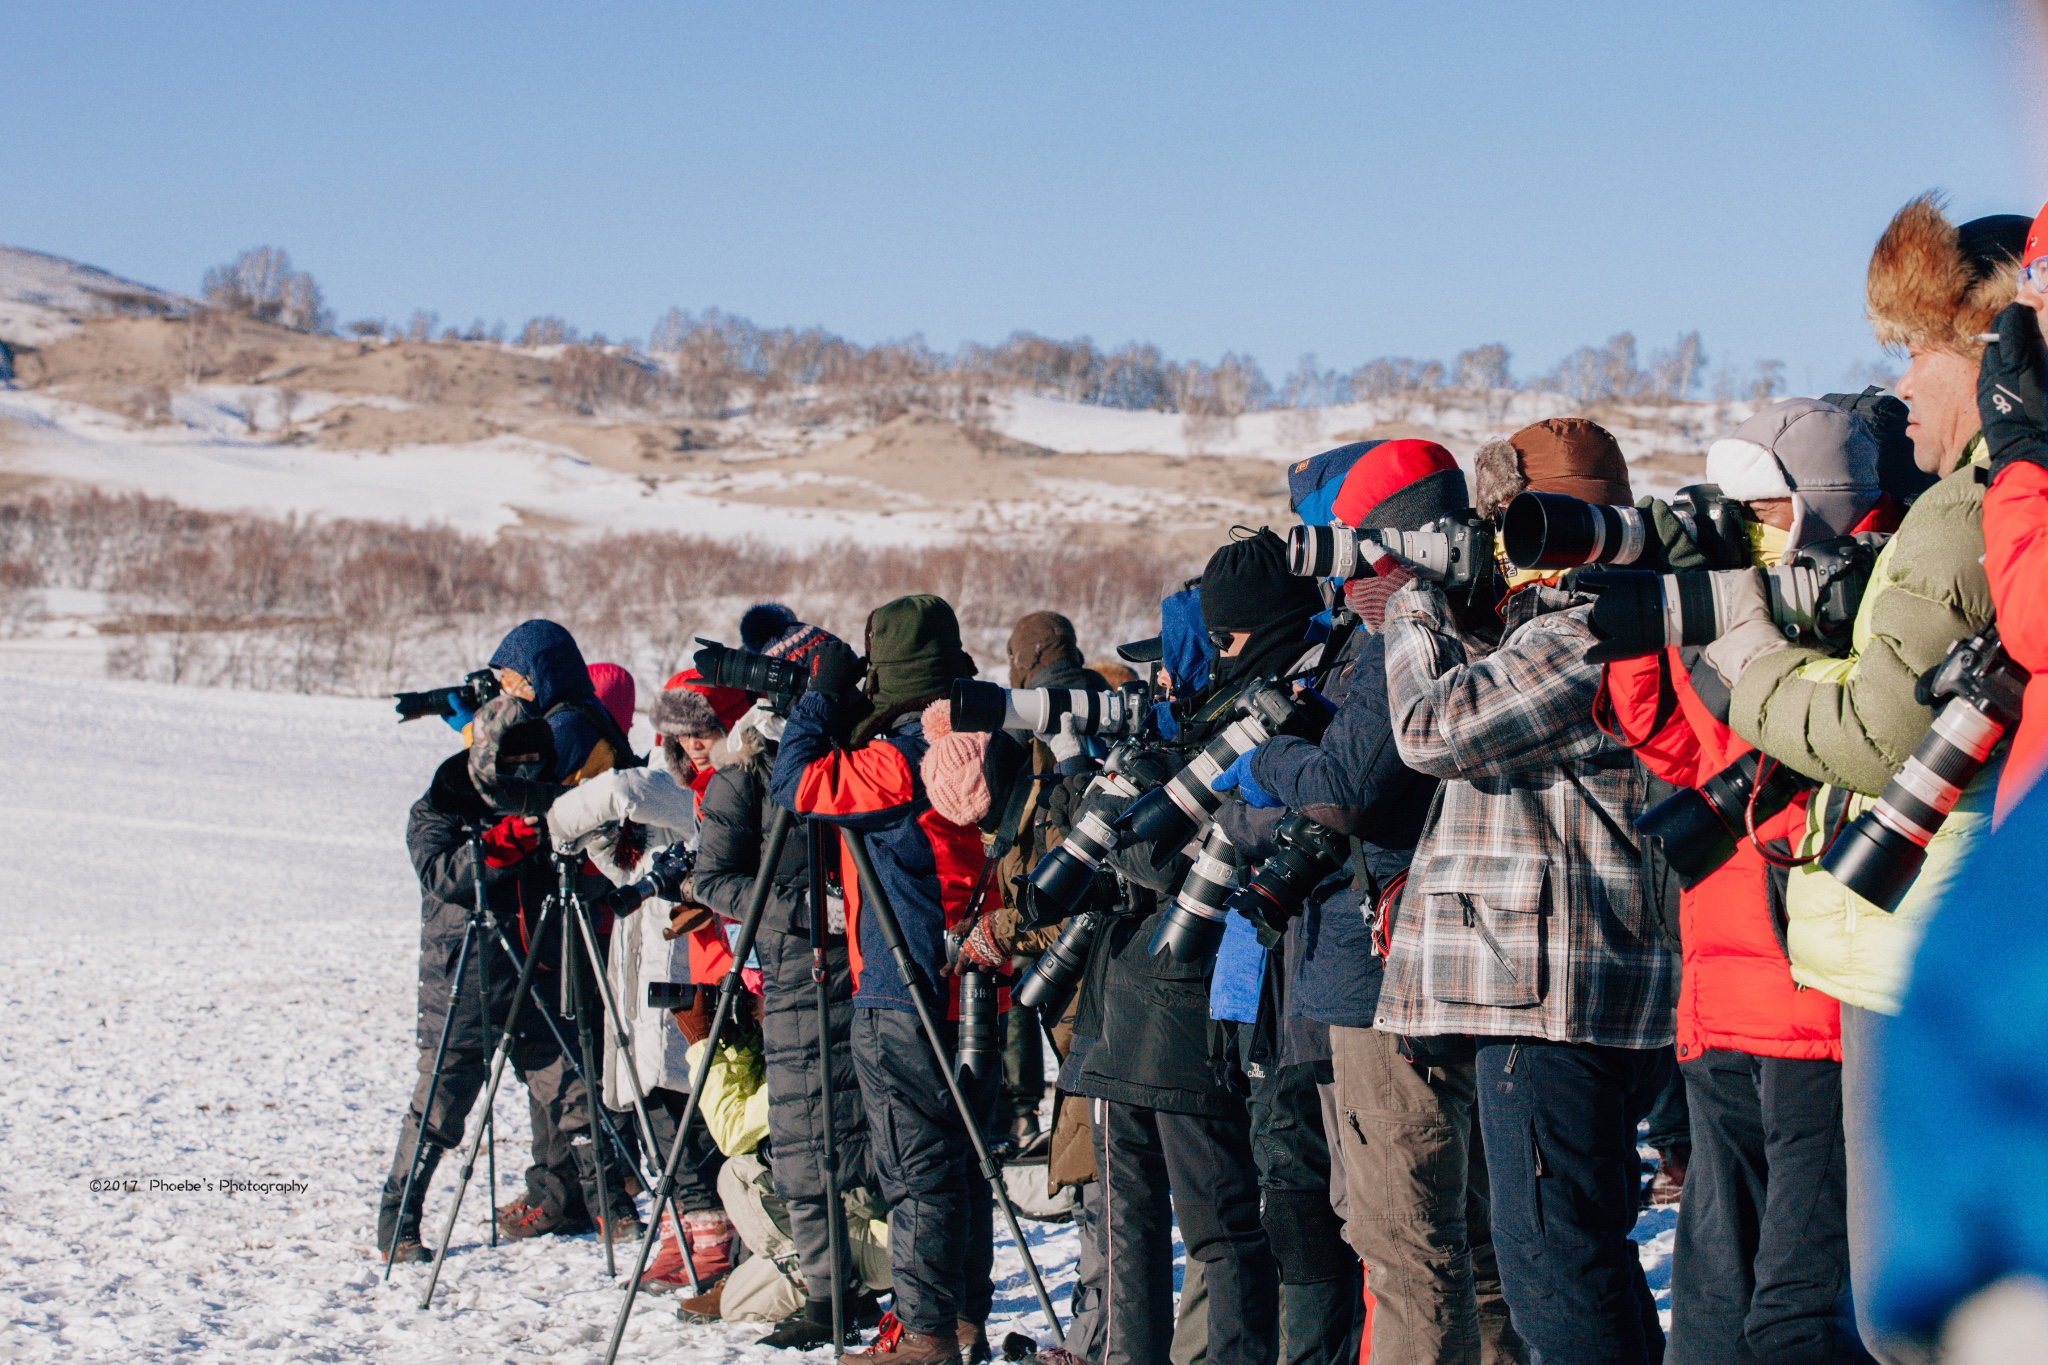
x,y
896,1346
705,1307
973,1339
710,1236
522,1218
403,1224
811,1326
1668,1184
664,1272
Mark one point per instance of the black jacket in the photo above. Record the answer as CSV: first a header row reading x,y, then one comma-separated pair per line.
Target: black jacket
x,y
735,816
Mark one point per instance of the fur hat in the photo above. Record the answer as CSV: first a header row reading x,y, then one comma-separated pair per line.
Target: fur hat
x,y
1558,455
1934,285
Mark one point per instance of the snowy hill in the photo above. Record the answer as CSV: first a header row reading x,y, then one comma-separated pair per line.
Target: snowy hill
x,y
221,988
44,297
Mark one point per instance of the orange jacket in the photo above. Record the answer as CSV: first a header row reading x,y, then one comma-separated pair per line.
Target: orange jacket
x,y
1736,989
2016,562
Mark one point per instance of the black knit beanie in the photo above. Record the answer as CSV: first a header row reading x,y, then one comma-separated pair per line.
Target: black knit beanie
x,y
1246,585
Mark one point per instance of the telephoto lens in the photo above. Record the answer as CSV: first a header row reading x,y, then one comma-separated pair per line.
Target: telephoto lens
x,y
722,666
1063,876
1325,552
978,707
1700,827
1557,531
470,694
979,1051
1636,613
1276,889
1058,971
1880,853
1194,926
1178,809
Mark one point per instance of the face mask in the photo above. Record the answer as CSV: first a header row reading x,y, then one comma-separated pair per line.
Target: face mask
x,y
1767,543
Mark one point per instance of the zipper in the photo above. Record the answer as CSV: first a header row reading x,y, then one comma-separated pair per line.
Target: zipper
x,y
1474,921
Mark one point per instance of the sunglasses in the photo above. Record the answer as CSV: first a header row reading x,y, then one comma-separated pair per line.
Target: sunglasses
x,y
2035,276
1220,640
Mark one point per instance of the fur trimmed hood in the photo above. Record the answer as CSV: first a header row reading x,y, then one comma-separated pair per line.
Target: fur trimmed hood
x,y
1932,284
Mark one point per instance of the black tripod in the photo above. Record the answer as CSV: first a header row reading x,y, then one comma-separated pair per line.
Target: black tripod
x,y
821,983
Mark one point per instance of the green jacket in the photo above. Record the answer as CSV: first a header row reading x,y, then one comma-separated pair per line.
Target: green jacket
x,y
1852,722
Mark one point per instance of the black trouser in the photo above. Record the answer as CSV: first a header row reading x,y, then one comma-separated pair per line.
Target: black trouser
x,y
696,1187
1761,1269
1158,1168
1559,1121
1320,1303
941,1220
796,1106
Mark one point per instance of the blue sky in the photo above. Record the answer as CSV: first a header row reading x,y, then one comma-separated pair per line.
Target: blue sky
x,y
1350,180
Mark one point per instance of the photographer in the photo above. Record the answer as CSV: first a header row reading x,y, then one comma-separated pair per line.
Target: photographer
x,y
1170,1119
737,811
519,738
1762,1251
1406,1169
1525,923
854,756
1851,723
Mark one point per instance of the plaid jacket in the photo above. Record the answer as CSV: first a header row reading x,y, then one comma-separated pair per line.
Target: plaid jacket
x,y
1526,913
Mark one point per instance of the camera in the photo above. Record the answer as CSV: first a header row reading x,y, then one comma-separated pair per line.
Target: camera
x,y
781,681
1699,828
467,696
1558,531
1308,853
1177,810
1714,523
980,706
1814,596
1881,851
979,1049
1063,876
1051,982
1454,550
671,995
1194,926
664,880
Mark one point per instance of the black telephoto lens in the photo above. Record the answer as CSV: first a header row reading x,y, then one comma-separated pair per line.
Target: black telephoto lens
x,y
1557,531
1194,926
980,1047
1062,878
978,707
1275,891
1052,981
1700,827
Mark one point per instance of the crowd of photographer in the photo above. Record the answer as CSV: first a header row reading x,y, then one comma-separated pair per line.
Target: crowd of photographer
x,y
1369,909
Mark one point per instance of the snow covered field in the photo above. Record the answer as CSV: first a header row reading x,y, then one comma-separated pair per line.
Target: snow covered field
x,y
211,926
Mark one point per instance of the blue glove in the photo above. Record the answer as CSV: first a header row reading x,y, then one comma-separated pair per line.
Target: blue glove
x,y
1238,777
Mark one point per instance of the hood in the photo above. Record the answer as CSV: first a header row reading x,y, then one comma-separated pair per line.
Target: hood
x,y
914,654
1184,642
546,655
1821,457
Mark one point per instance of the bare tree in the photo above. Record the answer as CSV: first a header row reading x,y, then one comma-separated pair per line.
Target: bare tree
x,y
1483,368
1673,373
420,326
260,283
1769,380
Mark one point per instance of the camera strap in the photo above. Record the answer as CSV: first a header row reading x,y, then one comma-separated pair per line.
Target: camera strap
x,y
1007,832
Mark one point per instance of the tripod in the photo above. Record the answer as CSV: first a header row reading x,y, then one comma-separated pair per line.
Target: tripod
x,y
821,983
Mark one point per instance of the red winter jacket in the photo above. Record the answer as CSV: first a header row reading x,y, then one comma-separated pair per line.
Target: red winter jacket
x,y
2016,562
1736,990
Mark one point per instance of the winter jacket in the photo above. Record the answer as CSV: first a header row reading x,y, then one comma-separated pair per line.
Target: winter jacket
x,y
735,1099
621,820
1852,722
735,814
1527,913
1353,781
928,866
587,739
1735,987
437,837
2016,564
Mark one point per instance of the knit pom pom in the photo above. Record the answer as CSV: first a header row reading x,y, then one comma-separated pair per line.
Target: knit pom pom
x,y
938,720
953,777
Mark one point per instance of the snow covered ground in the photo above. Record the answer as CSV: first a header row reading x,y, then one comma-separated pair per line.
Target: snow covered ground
x,y
211,925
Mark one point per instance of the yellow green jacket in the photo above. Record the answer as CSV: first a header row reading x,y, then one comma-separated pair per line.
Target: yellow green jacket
x,y
1851,723
735,1099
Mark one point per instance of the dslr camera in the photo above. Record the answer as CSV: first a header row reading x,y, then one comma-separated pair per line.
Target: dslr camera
x,y
1455,550
664,879
779,680
466,697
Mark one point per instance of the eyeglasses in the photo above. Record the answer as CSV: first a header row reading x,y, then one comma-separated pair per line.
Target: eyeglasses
x,y
1220,639
2035,276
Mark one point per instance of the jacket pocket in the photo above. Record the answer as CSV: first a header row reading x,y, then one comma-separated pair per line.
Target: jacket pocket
x,y
1483,939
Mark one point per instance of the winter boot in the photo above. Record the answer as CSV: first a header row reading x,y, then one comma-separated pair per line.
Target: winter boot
x,y
403,1224
665,1271
896,1346
610,1207
705,1307
1668,1184
522,1218
973,1341
710,1236
811,1326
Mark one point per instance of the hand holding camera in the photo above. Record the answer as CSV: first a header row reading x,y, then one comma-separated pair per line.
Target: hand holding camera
x,y
835,669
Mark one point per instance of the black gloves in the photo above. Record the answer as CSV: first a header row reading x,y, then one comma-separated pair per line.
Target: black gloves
x,y
835,669
2010,401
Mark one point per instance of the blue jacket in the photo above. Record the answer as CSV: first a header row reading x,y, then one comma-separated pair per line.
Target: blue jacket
x,y
1353,781
546,655
928,866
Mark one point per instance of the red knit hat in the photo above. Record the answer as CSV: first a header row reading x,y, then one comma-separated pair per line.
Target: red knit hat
x,y
616,691
727,703
1387,469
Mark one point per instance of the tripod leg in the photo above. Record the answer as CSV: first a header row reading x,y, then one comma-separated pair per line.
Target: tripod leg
x,y
728,990
593,1079
419,1142
483,1012
821,981
877,901
498,1059
639,1093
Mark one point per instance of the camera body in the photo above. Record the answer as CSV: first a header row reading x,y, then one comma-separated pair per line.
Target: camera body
x,y
664,879
778,680
1698,828
1309,852
1179,809
1455,550
1714,523
467,696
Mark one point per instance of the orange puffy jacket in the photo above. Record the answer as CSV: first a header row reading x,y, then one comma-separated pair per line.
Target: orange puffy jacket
x,y
2016,562
1736,990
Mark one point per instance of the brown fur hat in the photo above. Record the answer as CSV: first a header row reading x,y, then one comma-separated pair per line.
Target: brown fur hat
x,y
1934,285
1557,455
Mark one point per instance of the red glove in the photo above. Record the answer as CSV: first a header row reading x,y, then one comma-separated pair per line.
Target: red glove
x,y
1368,596
509,841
